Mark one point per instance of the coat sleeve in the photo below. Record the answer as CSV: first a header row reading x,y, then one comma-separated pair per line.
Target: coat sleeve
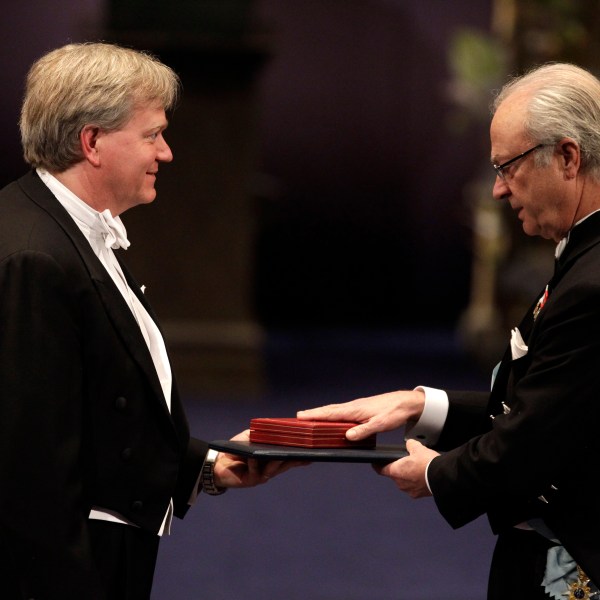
x,y
42,513
189,474
466,418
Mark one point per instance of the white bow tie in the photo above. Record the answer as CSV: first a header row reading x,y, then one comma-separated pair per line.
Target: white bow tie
x,y
113,231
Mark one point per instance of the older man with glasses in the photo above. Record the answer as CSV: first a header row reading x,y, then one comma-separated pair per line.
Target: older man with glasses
x,y
526,452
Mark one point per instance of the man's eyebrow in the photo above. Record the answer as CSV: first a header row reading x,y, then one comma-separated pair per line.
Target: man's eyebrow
x,y
159,127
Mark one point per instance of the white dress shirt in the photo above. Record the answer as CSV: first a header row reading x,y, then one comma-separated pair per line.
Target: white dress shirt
x,y
105,233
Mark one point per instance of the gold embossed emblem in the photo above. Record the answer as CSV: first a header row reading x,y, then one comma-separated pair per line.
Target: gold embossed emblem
x,y
580,590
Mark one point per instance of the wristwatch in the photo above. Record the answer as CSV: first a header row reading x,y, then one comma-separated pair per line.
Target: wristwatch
x,y
208,475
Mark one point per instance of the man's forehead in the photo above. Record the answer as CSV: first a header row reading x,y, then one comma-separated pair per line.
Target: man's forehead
x,y
149,112
507,129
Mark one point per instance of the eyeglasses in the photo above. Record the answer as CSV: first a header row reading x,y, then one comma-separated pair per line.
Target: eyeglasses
x,y
500,168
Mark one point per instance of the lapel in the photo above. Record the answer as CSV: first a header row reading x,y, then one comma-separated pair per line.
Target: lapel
x,y
116,308
135,287
502,381
583,237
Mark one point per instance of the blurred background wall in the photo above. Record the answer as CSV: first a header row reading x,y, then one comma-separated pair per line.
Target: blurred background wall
x,y
331,164
317,180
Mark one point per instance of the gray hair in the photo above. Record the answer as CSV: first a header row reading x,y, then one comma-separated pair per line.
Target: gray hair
x,y
564,102
96,84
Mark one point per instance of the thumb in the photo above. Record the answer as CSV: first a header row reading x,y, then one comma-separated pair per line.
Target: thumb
x,y
413,446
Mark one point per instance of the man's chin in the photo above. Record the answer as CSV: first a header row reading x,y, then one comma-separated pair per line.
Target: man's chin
x,y
529,230
148,198
543,233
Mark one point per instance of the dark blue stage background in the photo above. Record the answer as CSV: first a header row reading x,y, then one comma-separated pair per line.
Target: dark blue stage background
x,y
327,531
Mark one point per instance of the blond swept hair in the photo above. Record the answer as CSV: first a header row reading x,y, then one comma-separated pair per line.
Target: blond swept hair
x,y
97,84
564,101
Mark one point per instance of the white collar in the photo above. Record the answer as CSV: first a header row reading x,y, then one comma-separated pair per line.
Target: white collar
x,y
102,223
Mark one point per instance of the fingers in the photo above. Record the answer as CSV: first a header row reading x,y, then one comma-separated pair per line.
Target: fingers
x,y
272,468
409,473
384,412
385,470
255,470
244,436
232,471
340,412
331,412
360,432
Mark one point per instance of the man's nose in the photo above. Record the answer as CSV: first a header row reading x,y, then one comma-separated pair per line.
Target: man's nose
x,y
501,189
164,151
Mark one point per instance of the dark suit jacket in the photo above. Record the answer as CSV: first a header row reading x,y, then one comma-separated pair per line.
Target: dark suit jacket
x,y
551,437
83,420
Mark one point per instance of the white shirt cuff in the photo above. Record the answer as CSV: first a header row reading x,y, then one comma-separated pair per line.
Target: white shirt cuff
x,y
428,428
427,477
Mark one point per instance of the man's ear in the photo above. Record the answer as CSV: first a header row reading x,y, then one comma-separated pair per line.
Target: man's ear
x,y
570,154
88,138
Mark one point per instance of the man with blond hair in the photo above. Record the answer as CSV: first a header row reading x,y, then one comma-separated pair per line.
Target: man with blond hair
x,y
525,453
95,451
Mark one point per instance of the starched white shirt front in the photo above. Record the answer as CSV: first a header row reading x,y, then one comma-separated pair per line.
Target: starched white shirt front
x,y
105,233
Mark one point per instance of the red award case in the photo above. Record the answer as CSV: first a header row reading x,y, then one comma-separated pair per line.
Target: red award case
x,y
305,434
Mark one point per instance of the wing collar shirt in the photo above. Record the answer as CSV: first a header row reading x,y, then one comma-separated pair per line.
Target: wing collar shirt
x,y
106,233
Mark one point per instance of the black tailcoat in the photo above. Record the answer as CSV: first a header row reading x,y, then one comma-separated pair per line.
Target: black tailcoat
x,y
541,459
83,419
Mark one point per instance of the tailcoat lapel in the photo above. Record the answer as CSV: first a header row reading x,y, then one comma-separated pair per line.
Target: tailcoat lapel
x,y
583,237
117,309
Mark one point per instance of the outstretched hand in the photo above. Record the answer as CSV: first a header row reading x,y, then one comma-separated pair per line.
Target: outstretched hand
x,y
232,471
376,413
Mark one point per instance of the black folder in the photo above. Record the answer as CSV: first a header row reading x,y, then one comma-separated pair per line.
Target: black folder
x,y
380,454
